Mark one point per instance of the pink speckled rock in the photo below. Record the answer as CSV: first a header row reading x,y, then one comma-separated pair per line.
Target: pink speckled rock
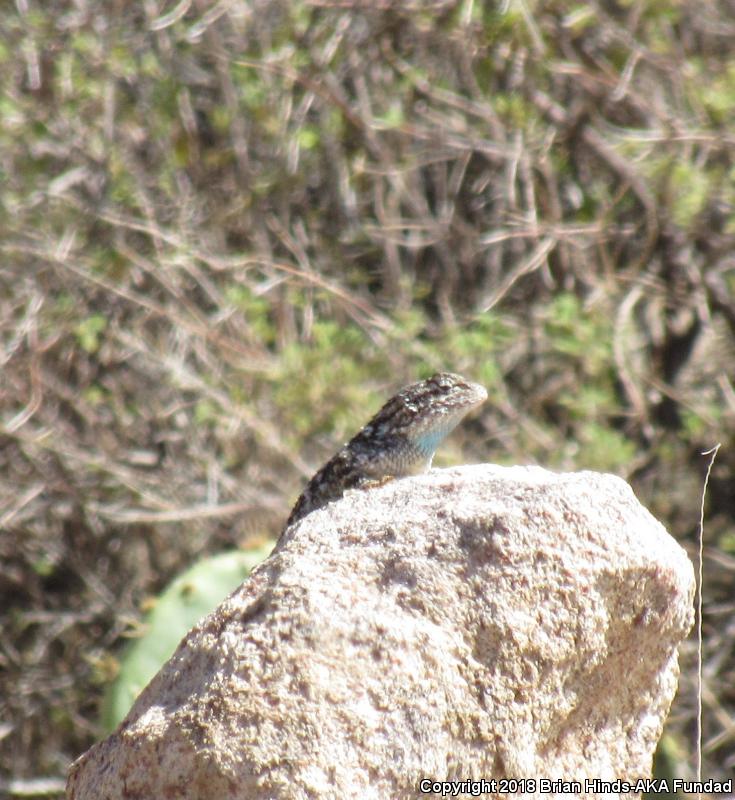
x,y
480,622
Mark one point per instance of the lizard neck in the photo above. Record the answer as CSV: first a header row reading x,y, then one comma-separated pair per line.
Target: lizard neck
x,y
427,442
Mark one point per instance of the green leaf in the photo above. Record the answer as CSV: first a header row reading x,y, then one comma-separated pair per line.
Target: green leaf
x,y
186,600
308,137
88,332
393,117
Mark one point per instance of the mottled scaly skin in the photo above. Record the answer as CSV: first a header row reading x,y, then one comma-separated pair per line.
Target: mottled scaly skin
x,y
399,440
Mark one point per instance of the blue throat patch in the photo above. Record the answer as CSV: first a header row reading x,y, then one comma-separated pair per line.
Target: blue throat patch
x,y
429,441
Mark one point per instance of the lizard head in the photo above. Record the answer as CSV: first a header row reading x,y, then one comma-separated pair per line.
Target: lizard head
x,y
425,412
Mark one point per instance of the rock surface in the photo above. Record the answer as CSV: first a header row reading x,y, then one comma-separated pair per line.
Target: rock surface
x,y
478,622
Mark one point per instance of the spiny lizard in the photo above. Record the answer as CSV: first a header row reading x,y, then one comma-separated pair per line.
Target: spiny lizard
x,y
399,440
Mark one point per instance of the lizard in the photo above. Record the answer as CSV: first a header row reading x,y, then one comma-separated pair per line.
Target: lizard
x,y
399,440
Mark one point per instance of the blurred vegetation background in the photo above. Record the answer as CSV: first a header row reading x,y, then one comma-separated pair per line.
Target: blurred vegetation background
x,y
230,230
